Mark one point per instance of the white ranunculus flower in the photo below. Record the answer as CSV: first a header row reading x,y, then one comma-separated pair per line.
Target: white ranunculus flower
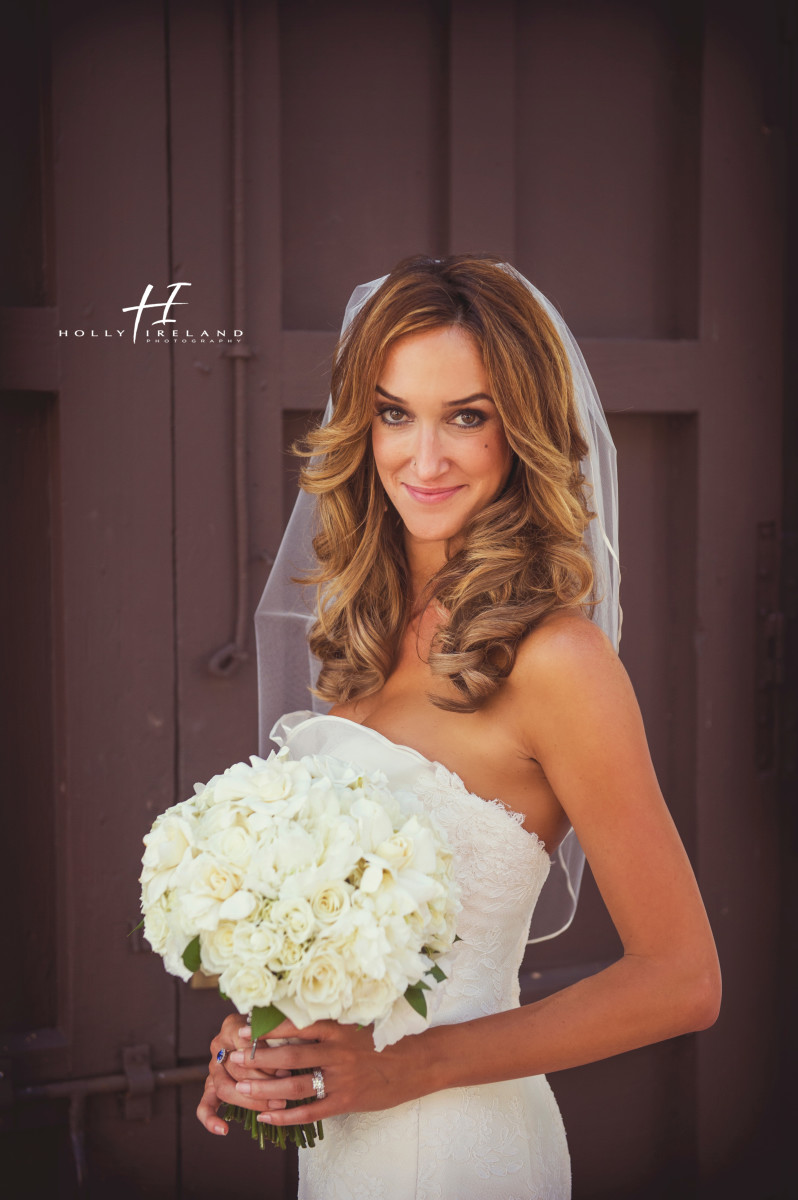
x,y
295,916
248,986
287,954
257,942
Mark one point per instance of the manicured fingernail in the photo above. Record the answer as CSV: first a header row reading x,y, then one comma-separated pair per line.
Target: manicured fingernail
x,y
246,1032
220,1128
265,1118
244,1087
237,1056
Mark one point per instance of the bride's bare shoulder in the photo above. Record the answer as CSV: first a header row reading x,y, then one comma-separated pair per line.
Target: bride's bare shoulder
x,y
564,641
567,676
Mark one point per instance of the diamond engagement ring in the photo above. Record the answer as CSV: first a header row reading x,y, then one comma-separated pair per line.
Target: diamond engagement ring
x,y
318,1083
221,1056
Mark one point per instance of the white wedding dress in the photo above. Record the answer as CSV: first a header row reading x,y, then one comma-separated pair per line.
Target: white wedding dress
x,y
500,1141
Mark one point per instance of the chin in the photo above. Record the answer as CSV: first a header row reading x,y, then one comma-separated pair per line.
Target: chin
x,y
440,529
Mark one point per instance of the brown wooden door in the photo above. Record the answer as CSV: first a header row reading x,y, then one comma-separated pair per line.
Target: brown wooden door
x,y
616,153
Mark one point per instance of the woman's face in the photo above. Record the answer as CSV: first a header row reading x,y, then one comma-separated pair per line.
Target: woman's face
x,y
437,438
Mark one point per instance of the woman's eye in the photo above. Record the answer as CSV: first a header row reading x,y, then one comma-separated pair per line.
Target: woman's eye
x,y
469,418
391,416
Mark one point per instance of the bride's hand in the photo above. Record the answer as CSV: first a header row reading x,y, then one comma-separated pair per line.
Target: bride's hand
x,y
356,1077
220,1086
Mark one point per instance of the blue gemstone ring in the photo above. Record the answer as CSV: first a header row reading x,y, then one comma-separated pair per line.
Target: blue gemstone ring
x,y
221,1056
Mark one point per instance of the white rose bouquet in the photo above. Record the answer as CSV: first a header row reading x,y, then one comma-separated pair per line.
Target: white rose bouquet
x,y
310,889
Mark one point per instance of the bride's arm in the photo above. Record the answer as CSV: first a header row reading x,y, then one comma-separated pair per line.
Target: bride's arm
x,y
578,716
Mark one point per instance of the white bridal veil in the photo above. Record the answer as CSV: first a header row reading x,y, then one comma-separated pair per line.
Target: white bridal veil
x,y
287,669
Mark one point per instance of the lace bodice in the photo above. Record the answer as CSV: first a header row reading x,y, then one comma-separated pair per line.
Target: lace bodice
x,y
499,866
500,1141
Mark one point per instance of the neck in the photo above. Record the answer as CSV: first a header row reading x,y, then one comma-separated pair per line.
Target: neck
x,y
423,560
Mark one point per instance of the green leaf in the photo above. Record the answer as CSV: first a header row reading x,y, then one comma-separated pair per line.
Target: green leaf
x,y
437,974
191,955
135,927
264,1020
457,937
417,1000
224,997
422,984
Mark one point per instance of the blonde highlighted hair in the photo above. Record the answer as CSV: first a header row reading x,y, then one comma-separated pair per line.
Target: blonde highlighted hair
x,y
517,560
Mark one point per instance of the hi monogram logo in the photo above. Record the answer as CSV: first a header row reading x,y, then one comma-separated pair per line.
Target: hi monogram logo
x,y
138,309
160,336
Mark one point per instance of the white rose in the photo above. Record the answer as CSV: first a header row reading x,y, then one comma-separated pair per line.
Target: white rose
x,y
202,888
397,850
250,986
330,902
321,987
156,927
168,846
371,1000
166,842
217,948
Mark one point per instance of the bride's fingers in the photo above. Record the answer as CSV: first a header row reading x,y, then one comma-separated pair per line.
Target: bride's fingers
x,y
273,1093
271,1059
207,1110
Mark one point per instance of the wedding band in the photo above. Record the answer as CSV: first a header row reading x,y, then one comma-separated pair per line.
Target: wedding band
x,y
318,1083
221,1056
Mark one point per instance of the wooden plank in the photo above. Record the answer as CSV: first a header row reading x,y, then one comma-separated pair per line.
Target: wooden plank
x,y
739,485
113,495
482,116
28,349
631,374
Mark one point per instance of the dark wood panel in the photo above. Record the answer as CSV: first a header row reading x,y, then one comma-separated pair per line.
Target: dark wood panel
x,y
27,703
608,162
363,147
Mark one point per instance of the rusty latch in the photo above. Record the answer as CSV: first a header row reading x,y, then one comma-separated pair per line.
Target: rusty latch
x,y
140,1083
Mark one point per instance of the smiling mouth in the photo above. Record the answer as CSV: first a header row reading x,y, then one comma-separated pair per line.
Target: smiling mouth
x,y
431,495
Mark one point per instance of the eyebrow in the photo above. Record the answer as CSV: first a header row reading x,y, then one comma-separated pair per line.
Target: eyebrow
x,y
448,403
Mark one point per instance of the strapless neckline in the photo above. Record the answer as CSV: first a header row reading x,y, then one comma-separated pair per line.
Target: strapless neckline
x,y
517,817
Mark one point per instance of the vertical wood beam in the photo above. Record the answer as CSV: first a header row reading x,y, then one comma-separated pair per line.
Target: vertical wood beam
x,y
482,128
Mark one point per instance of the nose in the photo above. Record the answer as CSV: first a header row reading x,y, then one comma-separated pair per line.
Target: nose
x,y
428,459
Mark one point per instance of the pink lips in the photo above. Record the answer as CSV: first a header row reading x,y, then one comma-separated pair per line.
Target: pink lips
x,y
430,495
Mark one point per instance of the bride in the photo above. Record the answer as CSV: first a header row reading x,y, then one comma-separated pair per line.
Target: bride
x,y
462,494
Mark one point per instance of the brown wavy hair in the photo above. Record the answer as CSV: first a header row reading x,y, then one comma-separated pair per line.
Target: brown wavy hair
x,y
518,559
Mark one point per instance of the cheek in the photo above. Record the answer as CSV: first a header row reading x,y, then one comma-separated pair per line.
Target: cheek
x,y
491,457
383,452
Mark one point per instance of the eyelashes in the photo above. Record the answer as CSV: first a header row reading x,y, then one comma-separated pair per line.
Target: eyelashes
x,y
474,418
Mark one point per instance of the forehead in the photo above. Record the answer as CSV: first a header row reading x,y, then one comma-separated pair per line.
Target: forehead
x,y
441,363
